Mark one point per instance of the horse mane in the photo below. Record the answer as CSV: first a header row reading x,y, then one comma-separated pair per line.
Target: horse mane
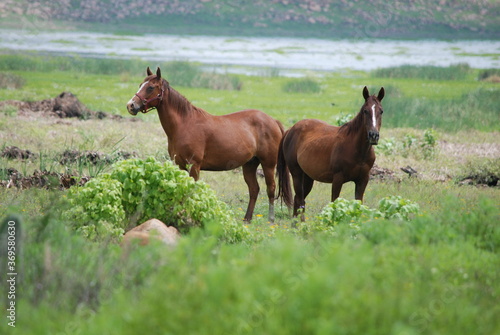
x,y
180,103
355,124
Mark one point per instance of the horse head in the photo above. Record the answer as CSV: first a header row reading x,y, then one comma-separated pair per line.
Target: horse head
x,y
149,95
372,112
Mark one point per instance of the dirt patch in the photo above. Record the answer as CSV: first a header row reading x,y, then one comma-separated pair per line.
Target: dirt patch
x,y
65,105
13,152
93,157
379,173
40,179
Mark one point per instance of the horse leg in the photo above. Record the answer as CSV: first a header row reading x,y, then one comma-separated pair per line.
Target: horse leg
x,y
359,190
337,183
250,175
302,184
194,171
271,187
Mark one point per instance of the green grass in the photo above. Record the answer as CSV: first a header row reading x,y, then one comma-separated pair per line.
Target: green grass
x,y
437,273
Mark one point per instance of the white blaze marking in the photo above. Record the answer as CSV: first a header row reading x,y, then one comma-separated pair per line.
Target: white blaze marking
x,y
131,101
144,83
374,119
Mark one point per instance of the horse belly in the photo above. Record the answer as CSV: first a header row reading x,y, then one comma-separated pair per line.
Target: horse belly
x,y
315,166
222,155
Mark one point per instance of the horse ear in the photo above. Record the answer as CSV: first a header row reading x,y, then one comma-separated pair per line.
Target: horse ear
x,y
381,94
366,94
158,73
148,71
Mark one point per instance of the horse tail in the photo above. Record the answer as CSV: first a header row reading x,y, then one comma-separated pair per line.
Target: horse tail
x,y
284,187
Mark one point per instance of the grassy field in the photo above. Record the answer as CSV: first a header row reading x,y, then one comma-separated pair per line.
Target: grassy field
x,y
437,273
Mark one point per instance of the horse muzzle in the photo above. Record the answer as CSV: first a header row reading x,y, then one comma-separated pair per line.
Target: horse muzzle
x,y
133,108
373,137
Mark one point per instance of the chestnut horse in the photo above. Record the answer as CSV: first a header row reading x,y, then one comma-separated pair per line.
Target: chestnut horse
x,y
313,150
198,140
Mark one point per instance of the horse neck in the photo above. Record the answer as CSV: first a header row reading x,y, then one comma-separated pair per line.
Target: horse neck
x,y
357,133
175,111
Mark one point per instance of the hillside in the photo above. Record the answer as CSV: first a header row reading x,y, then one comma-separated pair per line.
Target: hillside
x,y
314,18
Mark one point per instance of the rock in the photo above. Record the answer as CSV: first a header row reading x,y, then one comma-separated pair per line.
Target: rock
x,y
152,228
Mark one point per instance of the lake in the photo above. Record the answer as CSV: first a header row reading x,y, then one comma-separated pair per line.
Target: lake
x,y
247,54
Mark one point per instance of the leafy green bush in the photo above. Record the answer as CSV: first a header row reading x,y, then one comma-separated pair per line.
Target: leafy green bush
x,y
96,211
398,207
137,190
342,211
352,212
425,147
305,85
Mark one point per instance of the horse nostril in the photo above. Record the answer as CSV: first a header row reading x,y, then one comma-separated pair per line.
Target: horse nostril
x,y
373,137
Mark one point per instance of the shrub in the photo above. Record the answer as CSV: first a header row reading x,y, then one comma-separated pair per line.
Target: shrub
x,y
137,190
96,211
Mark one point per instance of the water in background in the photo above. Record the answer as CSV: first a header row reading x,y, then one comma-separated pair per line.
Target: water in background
x,y
247,53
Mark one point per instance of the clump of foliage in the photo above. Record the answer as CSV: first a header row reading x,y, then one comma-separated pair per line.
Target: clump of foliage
x,y
305,85
96,210
425,147
342,210
137,190
396,207
353,214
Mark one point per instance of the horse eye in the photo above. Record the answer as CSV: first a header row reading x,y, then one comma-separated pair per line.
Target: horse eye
x,y
381,111
150,88
365,111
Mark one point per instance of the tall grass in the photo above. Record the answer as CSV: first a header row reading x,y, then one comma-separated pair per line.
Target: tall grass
x,y
178,73
475,110
454,72
306,85
436,274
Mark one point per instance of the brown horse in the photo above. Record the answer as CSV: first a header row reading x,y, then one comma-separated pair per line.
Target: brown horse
x,y
313,150
198,140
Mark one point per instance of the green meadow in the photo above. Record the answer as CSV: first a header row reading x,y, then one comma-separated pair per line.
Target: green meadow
x,y
431,271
